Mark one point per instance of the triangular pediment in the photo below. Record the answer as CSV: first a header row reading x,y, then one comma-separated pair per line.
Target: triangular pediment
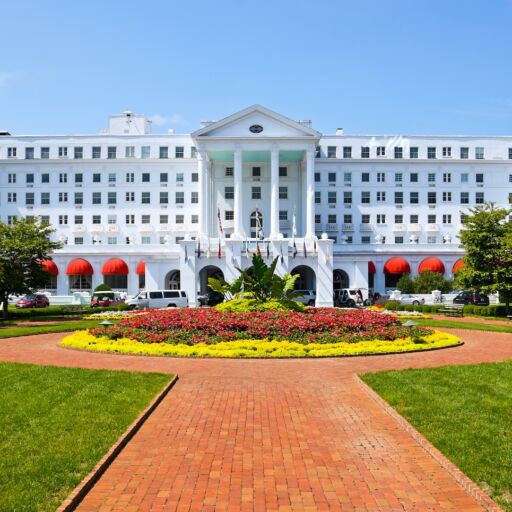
x,y
256,122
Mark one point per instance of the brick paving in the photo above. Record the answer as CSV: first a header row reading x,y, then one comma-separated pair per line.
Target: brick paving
x,y
268,435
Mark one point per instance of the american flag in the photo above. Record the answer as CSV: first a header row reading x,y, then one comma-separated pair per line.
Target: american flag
x,y
221,230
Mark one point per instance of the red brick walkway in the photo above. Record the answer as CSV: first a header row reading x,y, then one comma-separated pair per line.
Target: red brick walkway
x,y
271,435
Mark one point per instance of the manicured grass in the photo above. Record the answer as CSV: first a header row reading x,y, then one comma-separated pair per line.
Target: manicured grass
x,y
454,324
465,411
7,330
57,423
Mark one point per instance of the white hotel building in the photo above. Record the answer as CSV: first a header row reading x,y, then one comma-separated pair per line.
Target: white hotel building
x,y
140,210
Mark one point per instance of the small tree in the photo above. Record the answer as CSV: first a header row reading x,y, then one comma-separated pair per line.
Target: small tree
x,y
405,284
486,236
428,281
23,245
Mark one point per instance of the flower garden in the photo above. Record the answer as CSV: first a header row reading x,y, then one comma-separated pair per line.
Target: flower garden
x,y
204,332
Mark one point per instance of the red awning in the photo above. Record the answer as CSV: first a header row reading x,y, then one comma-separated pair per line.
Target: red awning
x,y
397,266
432,265
371,268
115,266
141,268
79,266
50,267
457,266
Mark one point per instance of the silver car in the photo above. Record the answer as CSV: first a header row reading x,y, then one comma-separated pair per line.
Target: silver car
x,y
411,299
308,297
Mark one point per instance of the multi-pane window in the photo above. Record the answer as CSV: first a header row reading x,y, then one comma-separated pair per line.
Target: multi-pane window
x,y
11,178
112,152
447,177
63,220
283,215
347,151
164,197
381,196
317,177
79,219
318,218
398,177
45,153
145,152
146,177
413,152
283,192
318,197
96,177
229,215
365,218
45,198
414,218
129,151
331,197
11,197
365,239
332,218
112,198
96,219
447,218
510,153
96,198
347,197
96,151
29,153
414,197
130,177
365,152
112,177
164,177
63,177
63,197
431,239
464,177
180,197
30,178
347,218
510,178
256,172
179,177
256,192
365,197
331,151
479,198
180,218
164,219
479,153
63,152
447,151
381,218
365,177
145,197
381,150
432,198
331,177
413,178
479,178
464,153
381,177
447,197
283,172
78,152
145,240
399,152
145,219
194,197
399,239
228,172
11,152
229,192
431,219
130,197
431,177
464,198
431,152
79,198
399,197
347,177
179,152
112,240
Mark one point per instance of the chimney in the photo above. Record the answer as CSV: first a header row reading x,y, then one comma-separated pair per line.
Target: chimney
x,y
339,131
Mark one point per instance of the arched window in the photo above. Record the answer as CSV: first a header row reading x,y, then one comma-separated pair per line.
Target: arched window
x,y
256,224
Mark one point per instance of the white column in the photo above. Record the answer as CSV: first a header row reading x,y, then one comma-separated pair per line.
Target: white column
x,y
274,193
324,288
310,194
203,194
238,211
188,271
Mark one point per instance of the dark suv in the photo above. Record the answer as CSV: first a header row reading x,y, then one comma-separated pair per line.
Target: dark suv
x,y
473,298
210,299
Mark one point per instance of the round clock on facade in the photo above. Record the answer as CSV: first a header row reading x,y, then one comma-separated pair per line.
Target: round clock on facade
x,y
256,128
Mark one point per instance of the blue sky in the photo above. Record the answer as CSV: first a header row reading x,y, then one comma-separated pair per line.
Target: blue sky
x,y
369,66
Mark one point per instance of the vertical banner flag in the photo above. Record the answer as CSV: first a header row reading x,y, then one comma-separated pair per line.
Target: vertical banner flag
x,y
314,246
198,247
186,254
268,249
304,247
294,233
219,251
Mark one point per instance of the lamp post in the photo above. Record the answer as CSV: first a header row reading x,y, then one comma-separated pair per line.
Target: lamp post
x,y
410,324
106,324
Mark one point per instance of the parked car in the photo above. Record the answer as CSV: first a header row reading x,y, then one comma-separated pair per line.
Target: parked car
x,y
308,297
159,299
107,299
210,298
411,299
36,300
350,297
473,298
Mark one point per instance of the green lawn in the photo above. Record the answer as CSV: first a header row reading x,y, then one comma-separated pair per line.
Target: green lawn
x,y
57,423
7,330
454,324
465,411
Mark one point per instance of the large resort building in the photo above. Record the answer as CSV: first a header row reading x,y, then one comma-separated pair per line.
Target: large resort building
x,y
166,211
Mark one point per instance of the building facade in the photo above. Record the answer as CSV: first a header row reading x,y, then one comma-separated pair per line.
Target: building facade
x,y
167,211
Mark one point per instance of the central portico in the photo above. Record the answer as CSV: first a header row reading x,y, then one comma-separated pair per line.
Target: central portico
x,y
248,164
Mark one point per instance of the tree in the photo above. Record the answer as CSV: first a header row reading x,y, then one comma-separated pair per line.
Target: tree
x,y
486,236
260,283
405,284
427,281
23,246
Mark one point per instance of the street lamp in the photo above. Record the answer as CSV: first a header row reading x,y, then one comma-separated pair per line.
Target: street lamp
x,y
106,324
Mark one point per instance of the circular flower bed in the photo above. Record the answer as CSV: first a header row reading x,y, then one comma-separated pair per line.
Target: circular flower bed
x,y
210,333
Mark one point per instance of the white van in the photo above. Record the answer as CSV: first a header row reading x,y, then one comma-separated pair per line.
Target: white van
x,y
159,299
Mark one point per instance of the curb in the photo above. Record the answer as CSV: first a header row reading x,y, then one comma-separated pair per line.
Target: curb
x,y
463,480
83,488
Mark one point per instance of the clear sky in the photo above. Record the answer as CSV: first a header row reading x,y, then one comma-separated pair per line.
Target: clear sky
x,y
369,66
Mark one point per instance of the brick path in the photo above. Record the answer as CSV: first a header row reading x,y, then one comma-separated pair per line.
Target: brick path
x,y
271,435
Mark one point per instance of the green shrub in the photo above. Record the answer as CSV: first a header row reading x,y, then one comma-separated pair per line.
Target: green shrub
x,y
248,305
393,305
102,288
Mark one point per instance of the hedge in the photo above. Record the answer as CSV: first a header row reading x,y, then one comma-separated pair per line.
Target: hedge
x,y
63,310
491,310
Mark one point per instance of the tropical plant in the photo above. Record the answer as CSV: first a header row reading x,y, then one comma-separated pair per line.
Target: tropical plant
x,y
260,283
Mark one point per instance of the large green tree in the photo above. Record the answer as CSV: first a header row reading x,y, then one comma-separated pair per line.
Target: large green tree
x,y
23,245
486,236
